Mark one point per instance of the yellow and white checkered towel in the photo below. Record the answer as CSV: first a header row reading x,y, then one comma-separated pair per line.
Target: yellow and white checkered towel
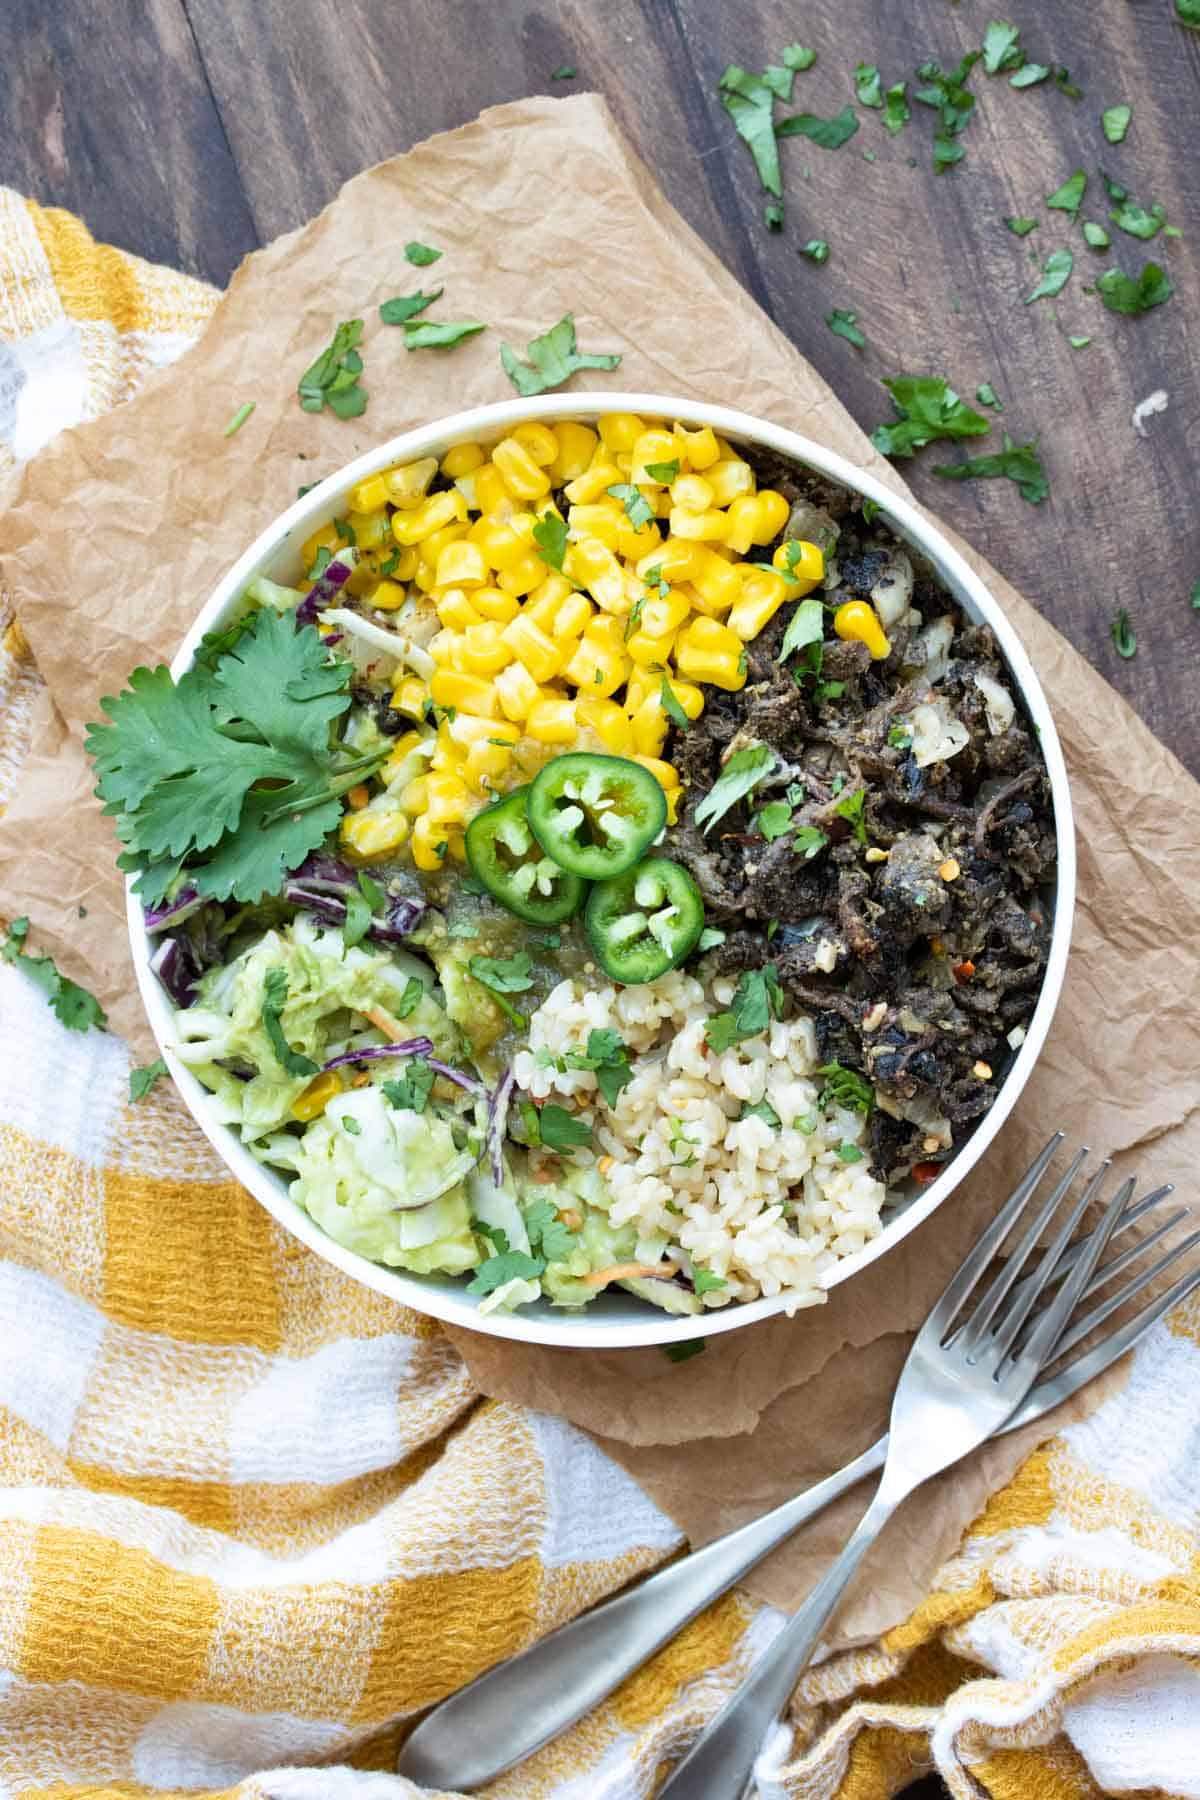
x,y
253,1517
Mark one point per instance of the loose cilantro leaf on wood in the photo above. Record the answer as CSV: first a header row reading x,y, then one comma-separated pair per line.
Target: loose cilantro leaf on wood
x,y
927,408
1069,197
1115,120
1064,84
411,1092
742,773
1079,343
798,56
827,134
1029,75
638,509
407,306
553,359
1188,13
567,72
1124,637
181,764
750,102
1095,236
896,113
841,323
868,86
946,152
421,255
438,334
1016,462
985,393
1056,272
73,1006
561,1130
1134,219
333,379
275,993
1021,227
948,93
1000,47
1196,597
757,1000
142,1080
1122,294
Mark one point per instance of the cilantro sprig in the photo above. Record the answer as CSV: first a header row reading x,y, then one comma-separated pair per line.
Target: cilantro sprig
x,y
552,359
927,408
757,999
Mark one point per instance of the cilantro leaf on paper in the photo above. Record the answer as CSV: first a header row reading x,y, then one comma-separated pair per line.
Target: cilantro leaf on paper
x,y
421,255
868,86
842,324
1016,462
827,134
439,334
73,1006
927,408
275,993
1069,197
142,1080
553,359
1115,121
1056,272
407,306
740,775
757,999
1123,635
1122,294
333,379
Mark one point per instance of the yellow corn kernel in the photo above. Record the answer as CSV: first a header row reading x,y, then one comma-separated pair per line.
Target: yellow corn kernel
x,y
552,721
317,1095
531,646
641,684
715,581
543,601
698,448
654,446
409,696
802,566
601,520
467,693
523,523
406,762
461,459
368,834
491,492
606,719
465,729
576,446
595,567
500,544
593,483
521,474
324,539
538,441
606,629
692,493
665,773
446,799
675,560
437,541
773,514
455,612
633,544
428,516
742,517
619,431
597,669
485,764
524,575
406,484
484,652
650,726
711,526
729,478
858,622
424,577
414,794
372,530
387,596
369,495
563,617
706,650
763,593
517,691
650,652
445,647
430,843
659,617
690,698
494,603
461,564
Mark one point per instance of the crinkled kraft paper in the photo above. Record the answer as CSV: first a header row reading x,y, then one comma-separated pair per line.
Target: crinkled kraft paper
x,y
168,503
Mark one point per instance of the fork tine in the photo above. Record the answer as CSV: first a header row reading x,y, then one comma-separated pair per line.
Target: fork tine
x,y
1049,1327
1109,1271
1068,1380
962,1284
986,1309
1083,1327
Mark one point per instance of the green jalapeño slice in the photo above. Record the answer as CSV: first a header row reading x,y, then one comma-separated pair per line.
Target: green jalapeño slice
x,y
506,857
596,815
641,923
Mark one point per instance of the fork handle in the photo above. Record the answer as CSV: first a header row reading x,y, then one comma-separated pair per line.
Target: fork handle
x,y
722,1759
515,1708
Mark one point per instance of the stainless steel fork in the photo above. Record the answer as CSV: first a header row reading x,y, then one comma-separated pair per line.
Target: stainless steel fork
x,y
515,1708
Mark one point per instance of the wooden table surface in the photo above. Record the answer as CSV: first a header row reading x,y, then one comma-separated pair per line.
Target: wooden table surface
x,y
192,130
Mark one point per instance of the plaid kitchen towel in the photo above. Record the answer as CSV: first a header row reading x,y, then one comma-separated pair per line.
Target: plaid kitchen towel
x,y
254,1517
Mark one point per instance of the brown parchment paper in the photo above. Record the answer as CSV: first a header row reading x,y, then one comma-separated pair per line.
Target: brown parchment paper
x,y
168,505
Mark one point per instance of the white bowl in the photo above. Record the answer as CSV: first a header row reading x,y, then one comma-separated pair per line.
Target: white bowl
x,y
617,1321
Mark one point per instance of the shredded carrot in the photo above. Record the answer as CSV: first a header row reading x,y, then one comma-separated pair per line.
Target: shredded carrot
x,y
358,796
383,1021
627,1271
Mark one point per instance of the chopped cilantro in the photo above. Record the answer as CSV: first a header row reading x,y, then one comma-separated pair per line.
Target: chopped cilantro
x,y
808,841
846,1088
868,86
421,255
411,1092
774,820
275,993
1029,75
806,626
705,1282
1188,13
896,113
663,471
1115,120
1095,236
239,418
550,536
504,975
828,134
1056,272
927,408
850,808
761,1109
333,379
985,393
710,937
850,1153
1079,343
671,706
407,306
566,72
742,773
816,250
750,102
900,736
1137,222
1196,596
1069,197
351,1124
1064,84
1021,227
410,999
638,509
842,324
1016,462
1123,635
948,94
1122,294
434,334
798,56
505,1266
757,999
142,1080
1001,50
547,1233
553,359
560,1130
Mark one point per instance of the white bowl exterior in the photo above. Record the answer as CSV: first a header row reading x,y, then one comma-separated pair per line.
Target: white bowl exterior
x,y
624,1322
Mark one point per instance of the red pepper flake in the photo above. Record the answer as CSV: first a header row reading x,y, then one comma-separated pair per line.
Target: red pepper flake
x,y
926,1171
963,971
